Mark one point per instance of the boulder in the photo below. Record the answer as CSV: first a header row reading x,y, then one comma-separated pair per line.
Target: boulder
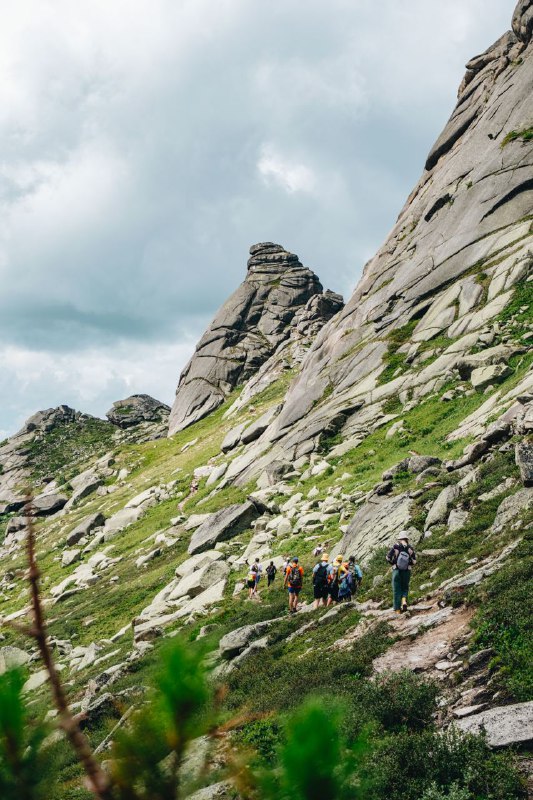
x,y
70,557
223,525
273,473
238,640
512,507
504,726
196,562
201,579
524,462
121,520
257,428
11,657
486,376
375,523
232,438
84,528
223,790
438,512
46,504
85,487
137,409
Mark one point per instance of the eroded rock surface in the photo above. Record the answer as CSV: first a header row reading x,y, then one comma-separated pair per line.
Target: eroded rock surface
x,y
248,329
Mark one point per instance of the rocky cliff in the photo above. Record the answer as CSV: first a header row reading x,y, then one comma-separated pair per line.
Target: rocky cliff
x,y
277,292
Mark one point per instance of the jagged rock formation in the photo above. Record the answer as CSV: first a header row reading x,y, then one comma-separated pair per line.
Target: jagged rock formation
x,y
277,292
461,245
137,409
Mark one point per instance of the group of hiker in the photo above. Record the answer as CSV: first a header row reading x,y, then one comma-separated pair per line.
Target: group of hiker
x,y
338,581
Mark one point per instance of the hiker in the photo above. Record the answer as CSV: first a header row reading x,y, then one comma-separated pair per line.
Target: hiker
x,y
402,557
250,581
333,588
318,549
321,573
357,574
346,583
271,573
258,573
293,582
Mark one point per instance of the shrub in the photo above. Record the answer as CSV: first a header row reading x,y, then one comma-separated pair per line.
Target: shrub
x,y
397,701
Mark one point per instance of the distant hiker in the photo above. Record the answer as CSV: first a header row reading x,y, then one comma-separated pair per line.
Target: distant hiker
x,y
318,549
258,572
271,573
293,582
250,582
321,572
333,581
402,557
286,562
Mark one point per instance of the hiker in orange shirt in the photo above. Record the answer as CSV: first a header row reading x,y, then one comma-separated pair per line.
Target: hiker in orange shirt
x,y
293,582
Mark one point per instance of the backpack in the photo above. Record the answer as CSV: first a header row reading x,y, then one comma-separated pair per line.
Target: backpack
x,y
346,584
402,560
295,578
321,576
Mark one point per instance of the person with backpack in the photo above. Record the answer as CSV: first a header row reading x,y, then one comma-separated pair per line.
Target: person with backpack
x,y
333,581
357,574
346,583
402,557
293,582
321,573
251,581
271,573
258,573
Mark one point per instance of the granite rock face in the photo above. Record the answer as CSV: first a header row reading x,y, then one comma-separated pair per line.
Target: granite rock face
x,y
469,216
137,409
248,330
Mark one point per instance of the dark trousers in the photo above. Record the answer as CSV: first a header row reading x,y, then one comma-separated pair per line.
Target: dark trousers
x,y
400,586
271,579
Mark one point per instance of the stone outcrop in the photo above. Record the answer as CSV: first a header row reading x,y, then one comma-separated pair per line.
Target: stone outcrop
x,y
249,328
137,409
508,725
376,523
461,245
222,525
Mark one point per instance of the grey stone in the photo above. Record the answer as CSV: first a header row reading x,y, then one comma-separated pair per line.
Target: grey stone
x,y
524,461
486,376
70,557
121,520
246,332
257,428
84,528
512,507
47,504
238,640
504,726
201,579
222,790
223,525
137,409
438,512
11,657
375,523
232,438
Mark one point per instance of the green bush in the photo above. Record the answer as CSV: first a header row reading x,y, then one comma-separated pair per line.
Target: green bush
x,y
397,702
504,619
404,767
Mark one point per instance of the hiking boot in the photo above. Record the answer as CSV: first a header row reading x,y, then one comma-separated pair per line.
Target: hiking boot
x,y
397,612
404,604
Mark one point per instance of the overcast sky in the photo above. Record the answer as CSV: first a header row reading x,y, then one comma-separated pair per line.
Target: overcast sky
x,y
145,144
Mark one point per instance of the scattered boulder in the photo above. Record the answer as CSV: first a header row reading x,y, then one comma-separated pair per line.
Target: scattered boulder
x,y
70,557
222,525
376,523
121,520
238,640
11,657
201,579
512,506
136,409
503,727
84,528
438,512
46,504
486,376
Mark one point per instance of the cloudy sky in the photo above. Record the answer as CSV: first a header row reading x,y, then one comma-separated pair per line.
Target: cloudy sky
x,y
145,144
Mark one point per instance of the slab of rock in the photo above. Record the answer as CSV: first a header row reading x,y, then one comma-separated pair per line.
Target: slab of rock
x,y
196,562
223,525
524,461
222,790
46,504
504,726
238,640
377,522
511,508
245,333
232,438
137,409
121,520
438,513
84,528
12,657
201,579
257,428
70,557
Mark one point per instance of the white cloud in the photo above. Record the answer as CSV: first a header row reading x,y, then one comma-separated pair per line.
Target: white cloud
x,y
290,175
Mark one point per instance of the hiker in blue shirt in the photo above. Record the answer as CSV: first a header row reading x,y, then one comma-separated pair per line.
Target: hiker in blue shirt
x,y
402,557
